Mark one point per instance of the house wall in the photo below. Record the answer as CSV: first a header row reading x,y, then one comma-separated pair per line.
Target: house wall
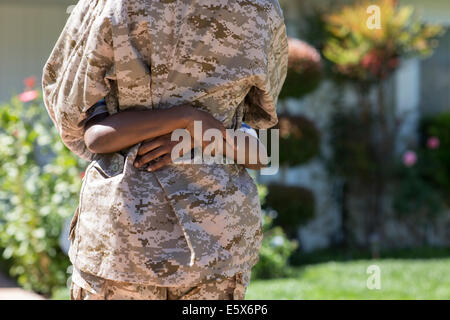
x,y
435,76
28,32
435,71
432,11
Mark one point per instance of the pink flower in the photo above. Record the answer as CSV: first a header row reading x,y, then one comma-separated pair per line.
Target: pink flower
x,y
28,96
409,158
302,56
30,82
433,143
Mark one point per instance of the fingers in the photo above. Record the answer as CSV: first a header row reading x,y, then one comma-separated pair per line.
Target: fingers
x,y
165,160
152,155
150,145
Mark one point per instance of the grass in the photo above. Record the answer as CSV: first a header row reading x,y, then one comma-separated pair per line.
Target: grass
x,y
400,279
342,254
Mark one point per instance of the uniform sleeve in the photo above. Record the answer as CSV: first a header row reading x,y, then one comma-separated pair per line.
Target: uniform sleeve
x,y
99,108
261,101
76,75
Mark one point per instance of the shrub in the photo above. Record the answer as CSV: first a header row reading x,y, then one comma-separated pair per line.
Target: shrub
x,y
299,140
39,185
293,205
304,70
275,252
351,155
436,129
360,53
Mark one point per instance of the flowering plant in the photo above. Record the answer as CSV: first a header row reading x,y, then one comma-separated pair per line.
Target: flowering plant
x,y
370,54
39,185
304,69
364,138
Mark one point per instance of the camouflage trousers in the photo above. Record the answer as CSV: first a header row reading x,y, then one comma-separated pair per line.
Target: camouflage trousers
x,y
232,288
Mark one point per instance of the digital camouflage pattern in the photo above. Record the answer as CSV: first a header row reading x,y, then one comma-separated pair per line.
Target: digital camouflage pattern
x,y
185,223
231,288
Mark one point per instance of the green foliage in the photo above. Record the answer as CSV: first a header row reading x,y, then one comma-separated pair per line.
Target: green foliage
x,y
294,206
276,248
363,141
402,279
298,85
439,158
364,54
342,254
275,252
299,140
423,189
414,195
304,70
39,185
351,155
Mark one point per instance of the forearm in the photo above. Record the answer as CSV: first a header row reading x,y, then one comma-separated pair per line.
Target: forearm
x,y
124,129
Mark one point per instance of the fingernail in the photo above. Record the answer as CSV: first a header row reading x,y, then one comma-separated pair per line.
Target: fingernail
x,y
136,164
149,169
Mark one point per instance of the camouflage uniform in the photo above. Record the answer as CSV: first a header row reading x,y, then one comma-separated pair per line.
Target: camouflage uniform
x,y
185,224
89,287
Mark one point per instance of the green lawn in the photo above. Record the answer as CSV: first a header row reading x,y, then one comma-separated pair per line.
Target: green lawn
x,y
400,279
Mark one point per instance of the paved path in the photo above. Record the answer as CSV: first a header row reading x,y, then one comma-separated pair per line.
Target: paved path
x,y
10,291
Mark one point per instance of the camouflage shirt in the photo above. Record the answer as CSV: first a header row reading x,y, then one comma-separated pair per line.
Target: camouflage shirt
x,y
187,222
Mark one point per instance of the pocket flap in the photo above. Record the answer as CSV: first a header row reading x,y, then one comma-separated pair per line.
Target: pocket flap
x,y
110,164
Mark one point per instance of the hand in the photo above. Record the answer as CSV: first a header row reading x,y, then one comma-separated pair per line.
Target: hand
x,y
207,122
158,148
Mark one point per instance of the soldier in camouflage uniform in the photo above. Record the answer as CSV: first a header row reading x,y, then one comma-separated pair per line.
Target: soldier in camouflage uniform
x,y
185,231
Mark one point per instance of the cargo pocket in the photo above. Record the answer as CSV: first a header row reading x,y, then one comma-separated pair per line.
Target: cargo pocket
x,y
109,165
73,223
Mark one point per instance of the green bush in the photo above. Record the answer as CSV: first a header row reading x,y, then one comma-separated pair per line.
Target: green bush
x,y
422,186
299,140
294,206
39,185
275,252
276,248
351,156
298,85
414,196
439,158
304,70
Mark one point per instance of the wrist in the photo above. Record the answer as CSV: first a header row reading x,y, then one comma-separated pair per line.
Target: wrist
x,y
188,114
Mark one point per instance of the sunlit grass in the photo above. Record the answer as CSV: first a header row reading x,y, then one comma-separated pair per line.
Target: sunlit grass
x,y
400,279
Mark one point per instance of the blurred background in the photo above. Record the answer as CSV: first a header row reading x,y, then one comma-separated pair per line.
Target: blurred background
x,y
360,206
